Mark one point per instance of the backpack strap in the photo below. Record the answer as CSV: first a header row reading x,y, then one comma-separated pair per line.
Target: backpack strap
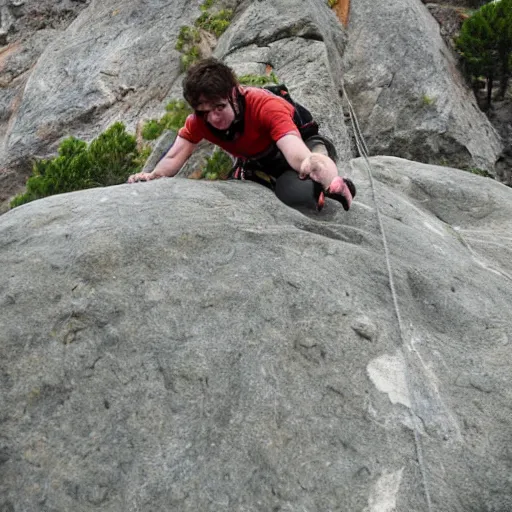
x,y
302,117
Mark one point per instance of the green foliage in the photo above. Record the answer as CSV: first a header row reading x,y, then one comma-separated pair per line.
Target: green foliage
x,y
215,23
187,44
332,3
206,5
190,37
108,160
258,80
152,129
144,153
479,172
427,100
189,57
111,156
218,166
485,44
174,118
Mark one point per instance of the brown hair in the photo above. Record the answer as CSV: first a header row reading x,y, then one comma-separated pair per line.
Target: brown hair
x,y
209,78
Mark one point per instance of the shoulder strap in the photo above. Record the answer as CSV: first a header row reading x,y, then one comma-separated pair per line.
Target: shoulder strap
x,y
302,117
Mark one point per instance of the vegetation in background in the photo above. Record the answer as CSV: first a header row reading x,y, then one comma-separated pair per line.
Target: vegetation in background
x,y
485,45
215,23
188,44
107,160
174,118
427,100
332,3
144,153
218,165
258,80
479,172
189,37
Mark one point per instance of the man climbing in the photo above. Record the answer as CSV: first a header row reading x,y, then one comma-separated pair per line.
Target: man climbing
x,y
259,128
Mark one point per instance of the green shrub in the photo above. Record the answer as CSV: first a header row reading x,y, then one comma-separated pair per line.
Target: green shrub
x,y
176,113
216,23
427,100
258,80
111,156
479,172
144,153
108,160
152,129
332,3
188,36
206,5
189,57
218,166
174,118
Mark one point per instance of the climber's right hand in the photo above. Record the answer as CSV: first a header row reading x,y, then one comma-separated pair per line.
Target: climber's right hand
x,y
141,176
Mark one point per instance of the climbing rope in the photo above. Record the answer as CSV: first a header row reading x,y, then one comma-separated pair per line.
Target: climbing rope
x,y
363,151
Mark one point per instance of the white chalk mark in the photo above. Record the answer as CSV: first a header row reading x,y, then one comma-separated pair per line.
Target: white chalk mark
x,y
384,493
388,374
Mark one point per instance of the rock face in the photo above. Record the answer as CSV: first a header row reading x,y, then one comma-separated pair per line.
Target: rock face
x,y
450,19
114,62
182,345
26,29
409,96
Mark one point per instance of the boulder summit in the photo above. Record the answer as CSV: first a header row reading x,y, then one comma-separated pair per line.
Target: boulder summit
x,y
190,345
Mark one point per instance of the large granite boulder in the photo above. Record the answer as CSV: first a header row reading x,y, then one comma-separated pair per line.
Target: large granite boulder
x,y
181,345
408,93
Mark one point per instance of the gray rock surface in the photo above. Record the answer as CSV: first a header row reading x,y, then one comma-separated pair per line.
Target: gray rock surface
x,y
450,19
27,28
181,345
114,62
410,98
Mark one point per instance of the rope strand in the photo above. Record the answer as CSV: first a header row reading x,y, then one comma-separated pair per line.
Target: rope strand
x,y
363,151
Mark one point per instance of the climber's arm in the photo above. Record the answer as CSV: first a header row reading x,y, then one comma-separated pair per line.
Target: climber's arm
x,y
170,164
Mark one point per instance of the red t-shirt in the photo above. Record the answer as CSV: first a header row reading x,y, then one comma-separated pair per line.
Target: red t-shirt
x,y
267,118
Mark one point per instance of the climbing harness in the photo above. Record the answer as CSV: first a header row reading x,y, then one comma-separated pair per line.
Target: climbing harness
x,y
363,151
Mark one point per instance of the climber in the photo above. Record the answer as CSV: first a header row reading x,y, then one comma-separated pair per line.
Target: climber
x,y
263,131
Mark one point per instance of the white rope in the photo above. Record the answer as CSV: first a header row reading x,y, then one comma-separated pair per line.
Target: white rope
x,y
363,151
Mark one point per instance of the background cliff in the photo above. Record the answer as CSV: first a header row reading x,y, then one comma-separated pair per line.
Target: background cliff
x,y
73,68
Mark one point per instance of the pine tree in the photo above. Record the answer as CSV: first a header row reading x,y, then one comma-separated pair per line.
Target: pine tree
x,y
504,30
485,44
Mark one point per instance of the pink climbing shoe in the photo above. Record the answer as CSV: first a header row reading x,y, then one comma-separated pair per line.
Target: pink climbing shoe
x,y
342,190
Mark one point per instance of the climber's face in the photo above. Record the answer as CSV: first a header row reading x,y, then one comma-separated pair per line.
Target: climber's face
x,y
218,113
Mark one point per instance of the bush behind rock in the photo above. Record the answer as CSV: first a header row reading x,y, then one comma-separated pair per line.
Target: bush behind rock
x,y
108,160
